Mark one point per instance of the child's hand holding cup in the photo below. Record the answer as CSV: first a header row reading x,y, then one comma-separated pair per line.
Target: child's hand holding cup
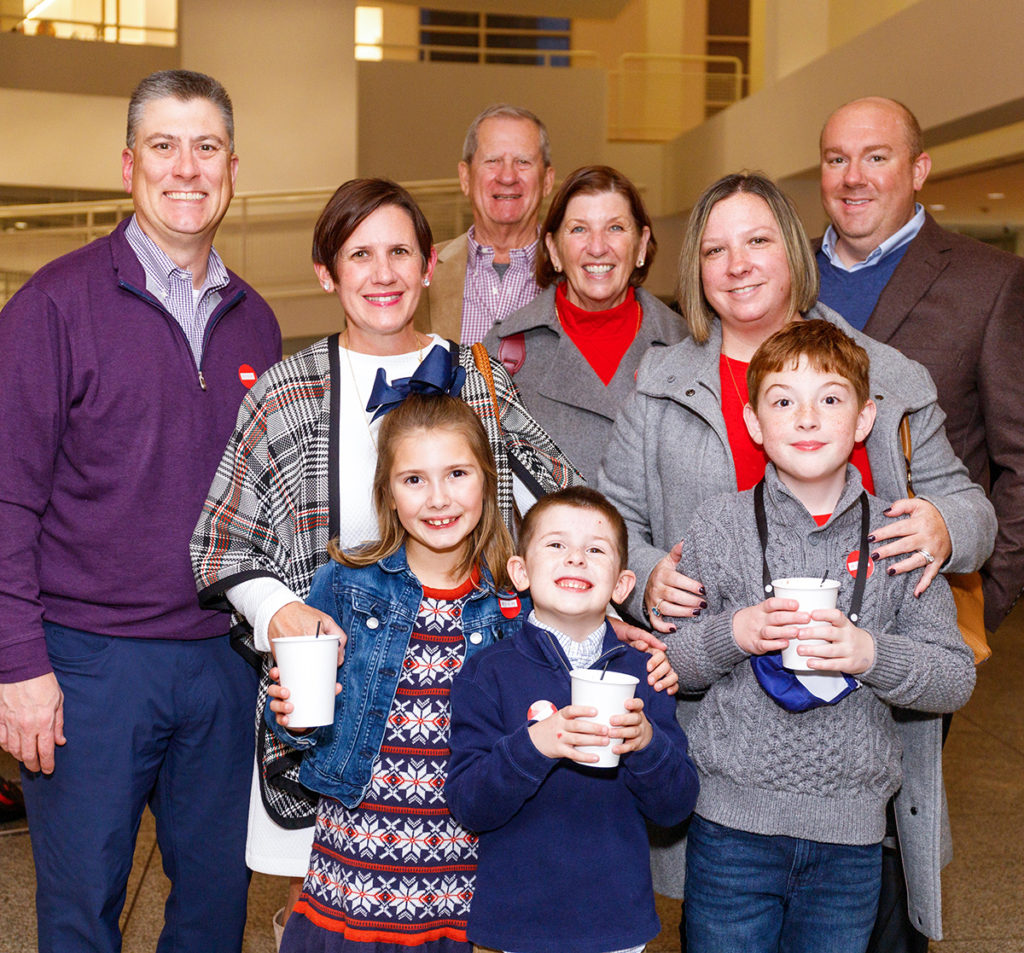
x,y
811,593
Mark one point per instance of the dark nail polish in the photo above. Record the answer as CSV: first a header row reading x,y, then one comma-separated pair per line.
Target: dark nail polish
x,y
703,591
871,538
891,571
696,612
874,556
703,605
886,510
672,628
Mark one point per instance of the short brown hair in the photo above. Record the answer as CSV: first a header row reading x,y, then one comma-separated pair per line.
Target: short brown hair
x,y
803,270
827,349
489,542
354,202
593,180
582,498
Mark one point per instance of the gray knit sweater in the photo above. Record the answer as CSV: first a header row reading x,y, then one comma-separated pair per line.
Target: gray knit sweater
x,y
825,774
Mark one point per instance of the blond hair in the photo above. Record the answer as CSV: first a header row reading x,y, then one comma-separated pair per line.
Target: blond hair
x,y
803,271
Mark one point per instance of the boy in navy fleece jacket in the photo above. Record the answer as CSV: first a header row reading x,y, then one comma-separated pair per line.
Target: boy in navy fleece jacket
x,y
563,846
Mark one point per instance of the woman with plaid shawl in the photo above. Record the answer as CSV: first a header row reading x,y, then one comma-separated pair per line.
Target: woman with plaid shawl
x,y
297,471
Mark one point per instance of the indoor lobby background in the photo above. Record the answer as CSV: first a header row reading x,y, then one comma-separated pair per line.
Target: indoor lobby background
x,y
674,93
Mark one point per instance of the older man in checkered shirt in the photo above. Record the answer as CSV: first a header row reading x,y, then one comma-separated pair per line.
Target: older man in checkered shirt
x,y
487,273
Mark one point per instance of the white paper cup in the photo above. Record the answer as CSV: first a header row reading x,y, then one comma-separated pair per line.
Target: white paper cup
x,y
309,670
608,695
811,593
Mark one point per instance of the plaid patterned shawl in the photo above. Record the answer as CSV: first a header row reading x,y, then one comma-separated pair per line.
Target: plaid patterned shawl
x,y
273,504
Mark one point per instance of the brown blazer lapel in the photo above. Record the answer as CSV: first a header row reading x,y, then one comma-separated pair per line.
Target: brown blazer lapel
x,y
440,307
922,263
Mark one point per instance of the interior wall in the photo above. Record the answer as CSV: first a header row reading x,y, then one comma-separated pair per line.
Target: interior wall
x,y
413,116
292,77
61,140
973,83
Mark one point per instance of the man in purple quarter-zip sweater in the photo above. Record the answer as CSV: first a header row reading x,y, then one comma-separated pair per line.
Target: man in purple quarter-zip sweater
x,y
123,365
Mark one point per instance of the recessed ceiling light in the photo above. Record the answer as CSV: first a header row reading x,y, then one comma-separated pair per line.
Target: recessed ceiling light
x,y
997,195
937,207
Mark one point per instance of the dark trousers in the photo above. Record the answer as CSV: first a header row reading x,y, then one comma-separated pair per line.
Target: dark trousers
x,y
158,722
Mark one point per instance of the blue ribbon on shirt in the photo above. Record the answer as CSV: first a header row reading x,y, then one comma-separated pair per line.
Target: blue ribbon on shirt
x,y
435,375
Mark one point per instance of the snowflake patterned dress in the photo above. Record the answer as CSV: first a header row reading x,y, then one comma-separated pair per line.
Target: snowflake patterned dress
x,y
396,874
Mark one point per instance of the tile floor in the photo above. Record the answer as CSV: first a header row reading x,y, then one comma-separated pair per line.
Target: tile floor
x,y
982,888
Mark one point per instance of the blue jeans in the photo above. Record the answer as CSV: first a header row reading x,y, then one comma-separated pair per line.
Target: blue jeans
x,y
759,894
148,721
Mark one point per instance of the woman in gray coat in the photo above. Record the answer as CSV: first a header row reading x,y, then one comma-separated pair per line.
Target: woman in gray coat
x,y
746,269
574,350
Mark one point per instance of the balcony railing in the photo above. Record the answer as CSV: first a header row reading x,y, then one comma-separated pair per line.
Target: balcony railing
x,y
101,30
652,97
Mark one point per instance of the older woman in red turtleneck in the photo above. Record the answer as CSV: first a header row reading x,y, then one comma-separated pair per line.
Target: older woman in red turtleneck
x,y
574,350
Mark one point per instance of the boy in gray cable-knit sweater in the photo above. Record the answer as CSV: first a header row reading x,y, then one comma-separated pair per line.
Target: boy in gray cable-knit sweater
x,y
784,849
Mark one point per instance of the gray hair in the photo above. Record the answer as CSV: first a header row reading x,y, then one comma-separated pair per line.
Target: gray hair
x,y
505,111
184,85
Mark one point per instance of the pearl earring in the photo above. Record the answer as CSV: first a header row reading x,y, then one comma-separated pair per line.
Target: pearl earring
x,y
426,282
639,263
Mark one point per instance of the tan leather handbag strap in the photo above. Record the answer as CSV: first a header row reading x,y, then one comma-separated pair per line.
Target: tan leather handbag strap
x,y
907,450
483,364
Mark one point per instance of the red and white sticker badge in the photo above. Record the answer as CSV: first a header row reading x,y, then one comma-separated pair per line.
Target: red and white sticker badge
x,y
853,563
510,606
247,375
540,710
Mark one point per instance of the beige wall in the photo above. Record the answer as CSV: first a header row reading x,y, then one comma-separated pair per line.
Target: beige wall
x,y
413,116
60,140
288,67
960,74
291,74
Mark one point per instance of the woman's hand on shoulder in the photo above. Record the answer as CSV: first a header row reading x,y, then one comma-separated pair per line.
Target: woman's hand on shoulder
x,y
660,674
923,531
670,593
296,618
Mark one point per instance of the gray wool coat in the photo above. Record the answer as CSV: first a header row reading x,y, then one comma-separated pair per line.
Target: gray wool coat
x,y
561,389
669,452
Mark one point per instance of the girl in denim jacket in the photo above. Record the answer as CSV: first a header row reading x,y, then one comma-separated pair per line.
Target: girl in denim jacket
x,y
390,868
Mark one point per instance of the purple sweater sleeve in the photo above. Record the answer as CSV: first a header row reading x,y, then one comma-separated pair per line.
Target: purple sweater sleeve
x,y
35,361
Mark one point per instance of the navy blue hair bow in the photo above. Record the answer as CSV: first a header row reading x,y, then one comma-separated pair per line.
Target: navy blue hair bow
x,y
435,375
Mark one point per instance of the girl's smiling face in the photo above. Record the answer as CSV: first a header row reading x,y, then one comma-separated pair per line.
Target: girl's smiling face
x,y
437,490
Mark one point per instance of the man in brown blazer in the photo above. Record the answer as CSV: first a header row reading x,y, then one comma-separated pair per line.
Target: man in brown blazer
x,y
487,273
951,303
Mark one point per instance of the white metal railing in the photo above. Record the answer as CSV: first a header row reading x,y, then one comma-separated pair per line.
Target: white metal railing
x,y
656,96
652,97
100,29
480,54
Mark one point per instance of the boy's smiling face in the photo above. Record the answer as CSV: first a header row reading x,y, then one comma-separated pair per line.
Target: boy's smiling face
x,y
572,569
808,420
